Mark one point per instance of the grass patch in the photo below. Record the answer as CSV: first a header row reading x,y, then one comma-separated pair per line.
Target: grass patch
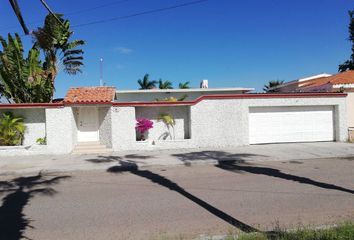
x,y
341,232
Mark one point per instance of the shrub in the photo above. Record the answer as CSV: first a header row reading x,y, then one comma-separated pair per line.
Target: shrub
x,y
12,129
42,141
167,119
143,125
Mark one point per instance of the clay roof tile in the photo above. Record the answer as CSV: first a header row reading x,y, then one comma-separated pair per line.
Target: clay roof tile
x,y
90,95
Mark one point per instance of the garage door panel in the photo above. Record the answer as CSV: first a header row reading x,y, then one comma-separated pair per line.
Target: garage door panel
x,y
291,124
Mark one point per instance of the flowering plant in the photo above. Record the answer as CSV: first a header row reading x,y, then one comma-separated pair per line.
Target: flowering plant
x,y
143,125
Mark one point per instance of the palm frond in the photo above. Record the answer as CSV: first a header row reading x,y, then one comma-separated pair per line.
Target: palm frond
x,y
183,85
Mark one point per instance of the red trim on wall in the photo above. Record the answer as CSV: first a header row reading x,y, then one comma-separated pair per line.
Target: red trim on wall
x,y
31,105
179,103
231,96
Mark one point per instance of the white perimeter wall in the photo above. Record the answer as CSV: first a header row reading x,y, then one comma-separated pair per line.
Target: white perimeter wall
x,y
350,109
34,120
152,96
160,131
61,130
217,123
105,126
123,128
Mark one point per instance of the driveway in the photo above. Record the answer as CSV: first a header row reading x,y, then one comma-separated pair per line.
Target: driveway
x,y
128,202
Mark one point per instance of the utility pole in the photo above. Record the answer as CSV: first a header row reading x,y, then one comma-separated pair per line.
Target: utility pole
x,y
101,72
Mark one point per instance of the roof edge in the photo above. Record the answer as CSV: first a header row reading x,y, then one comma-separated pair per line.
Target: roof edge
x,y
230,96
168,103
31,105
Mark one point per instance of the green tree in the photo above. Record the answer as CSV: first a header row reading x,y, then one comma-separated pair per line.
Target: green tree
x,y
22,79
184,85
349,64
16,8
165,84
12,130
271,84
60,53
146,83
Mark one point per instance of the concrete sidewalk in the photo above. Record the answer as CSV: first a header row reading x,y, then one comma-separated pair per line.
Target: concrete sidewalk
x,y
270,152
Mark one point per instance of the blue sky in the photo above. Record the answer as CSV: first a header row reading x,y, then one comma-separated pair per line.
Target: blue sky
x,y
232,43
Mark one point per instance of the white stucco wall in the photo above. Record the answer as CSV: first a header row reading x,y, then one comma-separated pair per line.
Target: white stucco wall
x,y
218,123
160,131
105,126
215,123
61,129
124,121
229,122
350,109
123,128
152,96
34,119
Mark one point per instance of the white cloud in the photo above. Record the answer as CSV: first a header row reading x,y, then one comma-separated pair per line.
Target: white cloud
x,y
123,50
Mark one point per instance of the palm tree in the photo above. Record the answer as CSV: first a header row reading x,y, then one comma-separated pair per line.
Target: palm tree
x,y
169,121
165,84
60,53
183,85
12,130
16,8
272,84
22,80
146,83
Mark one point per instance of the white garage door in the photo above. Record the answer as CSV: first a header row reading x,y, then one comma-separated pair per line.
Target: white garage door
x,y
291,124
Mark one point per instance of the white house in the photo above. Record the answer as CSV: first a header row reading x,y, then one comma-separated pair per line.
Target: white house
x,y
99,119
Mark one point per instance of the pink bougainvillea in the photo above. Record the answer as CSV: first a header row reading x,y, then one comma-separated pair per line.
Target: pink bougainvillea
x,y
143,125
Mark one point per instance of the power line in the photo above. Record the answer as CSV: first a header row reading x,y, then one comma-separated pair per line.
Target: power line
x,y
141,13
126,16
95,8
75,12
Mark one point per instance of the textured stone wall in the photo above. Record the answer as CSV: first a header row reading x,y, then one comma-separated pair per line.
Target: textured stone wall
x,y
61,126
34,120
350,109
218,123
105,126
225,122
152,96
123,128
213,123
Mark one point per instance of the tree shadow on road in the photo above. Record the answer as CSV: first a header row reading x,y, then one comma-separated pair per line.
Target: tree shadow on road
x,y
237,163
131,167
272,172
13,221
188,158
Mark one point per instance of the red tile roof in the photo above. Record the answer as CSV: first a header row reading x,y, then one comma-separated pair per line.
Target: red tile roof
x,y
340,78
90,95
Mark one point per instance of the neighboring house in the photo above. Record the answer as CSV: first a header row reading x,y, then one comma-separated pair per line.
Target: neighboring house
x,y
208,118
341,82
294,85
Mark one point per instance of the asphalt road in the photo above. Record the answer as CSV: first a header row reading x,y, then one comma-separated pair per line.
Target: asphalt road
x,y
131,203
